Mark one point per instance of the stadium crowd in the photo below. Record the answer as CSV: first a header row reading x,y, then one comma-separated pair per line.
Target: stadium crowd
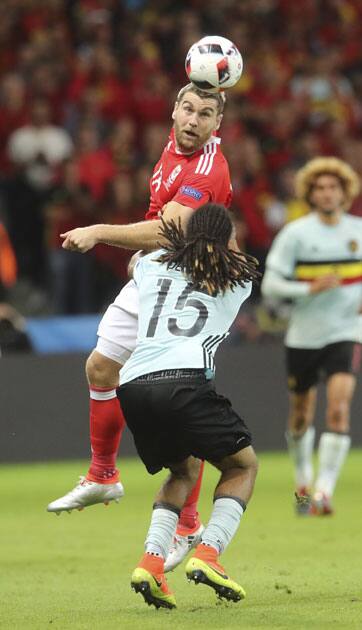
x,y
86,92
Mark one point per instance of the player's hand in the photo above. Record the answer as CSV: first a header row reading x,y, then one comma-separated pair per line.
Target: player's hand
x,y
80,239
325,283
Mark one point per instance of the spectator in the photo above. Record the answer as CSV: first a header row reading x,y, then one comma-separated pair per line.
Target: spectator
x,y
71,276
39,146
101,72
112,262
35,151
8,264
13,336
14,112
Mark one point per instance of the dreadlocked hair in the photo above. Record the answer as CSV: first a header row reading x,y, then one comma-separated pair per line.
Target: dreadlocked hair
x,y
202,253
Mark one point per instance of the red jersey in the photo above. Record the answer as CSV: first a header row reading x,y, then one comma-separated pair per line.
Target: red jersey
x,y
191,180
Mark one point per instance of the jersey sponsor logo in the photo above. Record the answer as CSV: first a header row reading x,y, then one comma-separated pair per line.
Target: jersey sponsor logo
x,y
191,192
172,177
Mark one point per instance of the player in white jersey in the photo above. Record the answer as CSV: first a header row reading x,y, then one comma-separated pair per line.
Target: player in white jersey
x,y
317,262
190,293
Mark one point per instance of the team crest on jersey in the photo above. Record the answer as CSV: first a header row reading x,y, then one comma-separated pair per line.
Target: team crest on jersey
x,y
171,178
352,245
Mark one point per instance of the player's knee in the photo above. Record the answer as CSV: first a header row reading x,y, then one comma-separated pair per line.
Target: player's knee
x,y
299,422
338,416
245,461
188,471
192,476
193,470
254,466
250,466
101,371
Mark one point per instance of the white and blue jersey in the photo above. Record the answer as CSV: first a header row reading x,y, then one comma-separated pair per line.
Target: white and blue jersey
x,y
308,249
178,327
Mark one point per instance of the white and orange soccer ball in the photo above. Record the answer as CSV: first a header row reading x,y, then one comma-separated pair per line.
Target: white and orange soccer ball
x,y
214,64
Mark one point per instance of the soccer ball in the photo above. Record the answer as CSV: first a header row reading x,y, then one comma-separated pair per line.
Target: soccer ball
x,y
214,64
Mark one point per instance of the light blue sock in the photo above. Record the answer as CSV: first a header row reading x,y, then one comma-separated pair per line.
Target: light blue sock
x,y
162,529
224,522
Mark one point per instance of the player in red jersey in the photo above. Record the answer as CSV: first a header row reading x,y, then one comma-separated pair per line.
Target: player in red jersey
x,y
191,172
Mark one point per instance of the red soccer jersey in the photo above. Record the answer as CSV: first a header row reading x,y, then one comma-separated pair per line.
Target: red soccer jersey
x,y
191,180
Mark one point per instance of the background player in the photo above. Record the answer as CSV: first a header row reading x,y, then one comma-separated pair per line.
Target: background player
x,y
317,262
187,305
191,171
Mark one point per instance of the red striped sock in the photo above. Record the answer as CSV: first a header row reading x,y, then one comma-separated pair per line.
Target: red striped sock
x,y
106,427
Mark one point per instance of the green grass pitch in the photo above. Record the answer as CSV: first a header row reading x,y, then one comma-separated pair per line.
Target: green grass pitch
x,y
73,571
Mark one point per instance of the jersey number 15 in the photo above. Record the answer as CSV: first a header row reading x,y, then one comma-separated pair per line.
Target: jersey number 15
x,y
184,300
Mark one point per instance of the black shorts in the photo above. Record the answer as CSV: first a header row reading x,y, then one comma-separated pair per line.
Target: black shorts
x,y
306,367
177,413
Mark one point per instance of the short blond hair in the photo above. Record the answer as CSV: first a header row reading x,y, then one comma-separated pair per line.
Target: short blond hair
x,y
219,97
306,178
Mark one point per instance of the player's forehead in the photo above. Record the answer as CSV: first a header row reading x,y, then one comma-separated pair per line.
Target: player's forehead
x,y
199,103
327,179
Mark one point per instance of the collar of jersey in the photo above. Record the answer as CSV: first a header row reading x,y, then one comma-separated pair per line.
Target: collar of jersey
x,y
172,145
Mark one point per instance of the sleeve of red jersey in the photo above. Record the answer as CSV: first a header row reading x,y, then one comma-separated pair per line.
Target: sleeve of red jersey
x,y
197,189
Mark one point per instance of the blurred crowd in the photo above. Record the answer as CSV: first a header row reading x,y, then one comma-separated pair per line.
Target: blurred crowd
x,y
86,93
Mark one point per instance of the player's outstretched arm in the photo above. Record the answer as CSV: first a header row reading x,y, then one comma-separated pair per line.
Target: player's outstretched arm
x,y
143,235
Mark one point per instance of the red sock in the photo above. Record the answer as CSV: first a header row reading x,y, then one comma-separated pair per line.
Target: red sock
x,y
189,517
106,427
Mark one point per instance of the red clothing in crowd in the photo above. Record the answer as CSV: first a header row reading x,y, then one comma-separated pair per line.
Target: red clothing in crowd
x,y
96,170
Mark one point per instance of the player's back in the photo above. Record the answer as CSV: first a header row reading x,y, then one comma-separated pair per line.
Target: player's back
x,y
178,326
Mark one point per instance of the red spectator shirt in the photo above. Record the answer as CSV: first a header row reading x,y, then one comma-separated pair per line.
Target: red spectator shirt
x,y
191,180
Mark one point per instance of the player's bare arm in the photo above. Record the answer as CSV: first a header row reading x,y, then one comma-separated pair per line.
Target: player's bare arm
x,y
143,235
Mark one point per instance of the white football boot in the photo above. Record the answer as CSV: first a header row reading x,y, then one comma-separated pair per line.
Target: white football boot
x,y
180,547
87,493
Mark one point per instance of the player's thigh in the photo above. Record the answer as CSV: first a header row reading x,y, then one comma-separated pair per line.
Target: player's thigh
x,y
303,366
189,468
342,358
117,331
340,365
340,390
301,409
102,371
245,459
211,428
341,386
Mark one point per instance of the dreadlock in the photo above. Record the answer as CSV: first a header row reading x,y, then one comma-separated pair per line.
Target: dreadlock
x,y
202,253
